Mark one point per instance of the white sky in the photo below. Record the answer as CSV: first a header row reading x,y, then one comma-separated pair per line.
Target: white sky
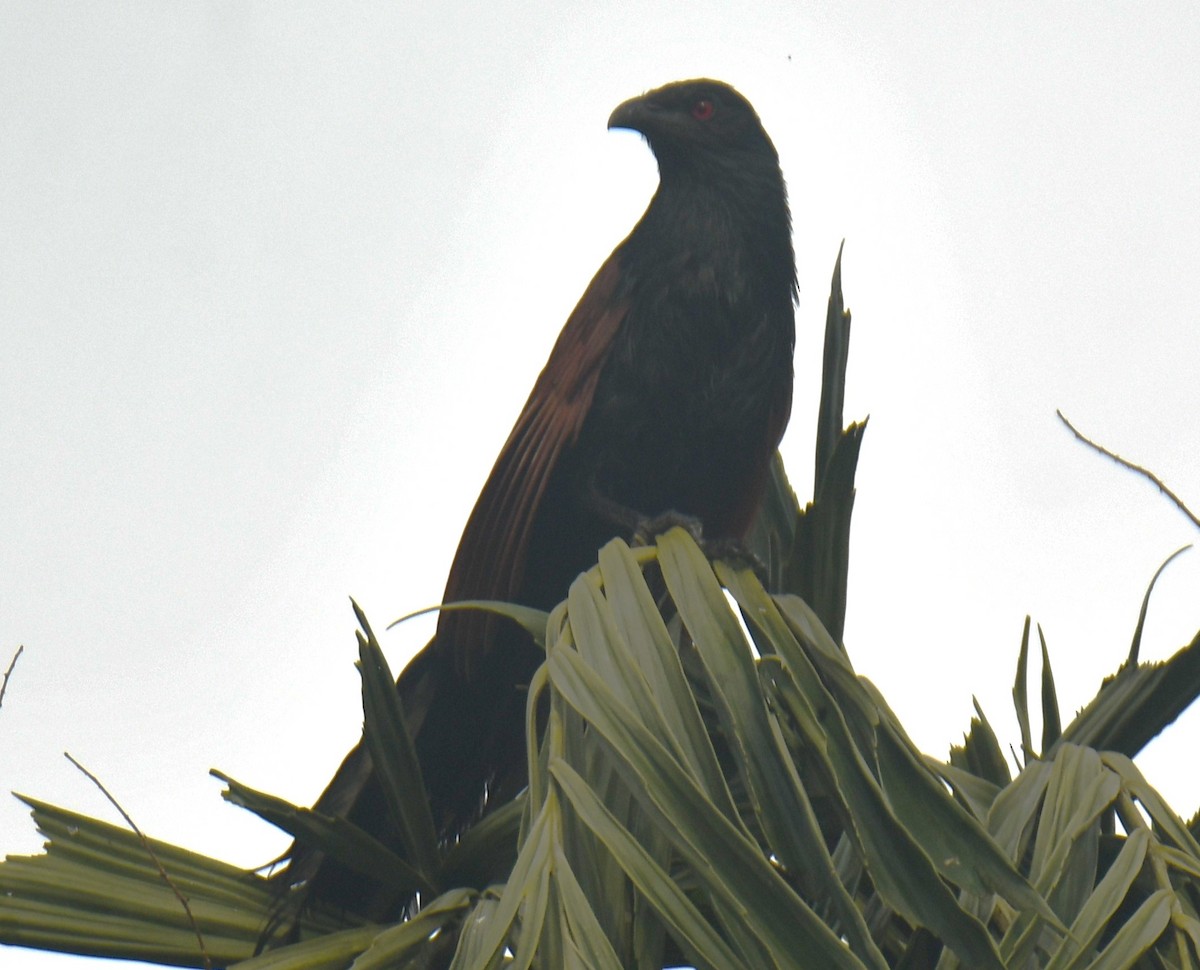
x,y
275,280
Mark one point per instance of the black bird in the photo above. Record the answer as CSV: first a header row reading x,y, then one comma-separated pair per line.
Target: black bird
x,y
666,393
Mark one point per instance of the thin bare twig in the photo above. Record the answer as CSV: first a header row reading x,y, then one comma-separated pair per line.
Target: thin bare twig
x,y
1132,467
8,673
150,851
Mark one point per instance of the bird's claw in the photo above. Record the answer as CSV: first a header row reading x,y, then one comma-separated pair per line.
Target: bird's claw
x,y
649,529
733,551
736,553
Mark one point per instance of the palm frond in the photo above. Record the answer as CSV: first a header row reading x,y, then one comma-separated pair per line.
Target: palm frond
x,y
711,782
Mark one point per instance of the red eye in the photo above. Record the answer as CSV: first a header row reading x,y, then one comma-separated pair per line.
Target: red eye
x,y
703,110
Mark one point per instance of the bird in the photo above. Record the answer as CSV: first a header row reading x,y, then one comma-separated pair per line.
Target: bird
x,y
665,394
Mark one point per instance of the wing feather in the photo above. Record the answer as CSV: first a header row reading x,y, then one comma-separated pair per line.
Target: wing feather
x,y
490,561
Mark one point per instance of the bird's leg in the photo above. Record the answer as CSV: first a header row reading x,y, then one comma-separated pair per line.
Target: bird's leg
x,y
643,529
640,528
733,551
649,527
624,519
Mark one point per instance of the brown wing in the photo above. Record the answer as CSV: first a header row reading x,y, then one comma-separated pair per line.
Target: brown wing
x,y
490,561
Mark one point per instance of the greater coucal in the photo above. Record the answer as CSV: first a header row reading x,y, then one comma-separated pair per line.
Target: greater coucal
x,y
666,393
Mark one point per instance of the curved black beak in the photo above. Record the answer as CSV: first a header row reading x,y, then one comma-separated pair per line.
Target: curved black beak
x,y
633,114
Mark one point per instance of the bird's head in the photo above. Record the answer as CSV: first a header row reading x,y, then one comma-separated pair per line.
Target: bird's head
x,y
697,124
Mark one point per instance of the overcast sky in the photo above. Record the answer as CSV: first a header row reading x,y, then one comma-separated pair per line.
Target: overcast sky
x,y
275,280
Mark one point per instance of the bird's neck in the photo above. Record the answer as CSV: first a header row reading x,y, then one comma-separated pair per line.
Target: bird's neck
x,y
712,219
